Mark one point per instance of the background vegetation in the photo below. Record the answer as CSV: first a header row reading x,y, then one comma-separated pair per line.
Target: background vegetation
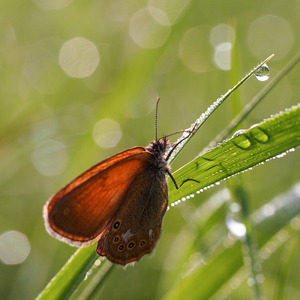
x,y
130,53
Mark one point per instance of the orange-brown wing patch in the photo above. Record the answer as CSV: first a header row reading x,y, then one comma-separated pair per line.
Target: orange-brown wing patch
x,y
94,170
82,210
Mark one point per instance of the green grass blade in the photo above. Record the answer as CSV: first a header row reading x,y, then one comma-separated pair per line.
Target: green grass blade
x,y
256,145
70,276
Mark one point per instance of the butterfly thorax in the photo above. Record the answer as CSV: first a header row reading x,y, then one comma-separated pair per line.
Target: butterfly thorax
x,y
158,149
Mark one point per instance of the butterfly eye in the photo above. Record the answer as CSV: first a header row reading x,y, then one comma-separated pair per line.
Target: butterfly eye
x,y
131,245
142,243
116,225
116,239
121,248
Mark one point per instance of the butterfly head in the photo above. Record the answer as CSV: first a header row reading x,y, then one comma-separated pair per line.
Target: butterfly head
x,y
159,147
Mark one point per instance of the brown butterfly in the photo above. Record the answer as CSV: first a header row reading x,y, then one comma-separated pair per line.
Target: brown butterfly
x,y
120,202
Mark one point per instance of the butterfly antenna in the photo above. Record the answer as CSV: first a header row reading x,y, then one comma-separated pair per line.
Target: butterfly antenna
x,y
156,118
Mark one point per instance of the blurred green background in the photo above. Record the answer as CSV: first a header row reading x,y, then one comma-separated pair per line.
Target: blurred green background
x,y
79,82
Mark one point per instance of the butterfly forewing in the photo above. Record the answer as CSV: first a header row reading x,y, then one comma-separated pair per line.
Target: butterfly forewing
x,y
99,193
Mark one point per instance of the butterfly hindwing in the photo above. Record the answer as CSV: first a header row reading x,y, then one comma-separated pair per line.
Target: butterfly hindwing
x,y
134,232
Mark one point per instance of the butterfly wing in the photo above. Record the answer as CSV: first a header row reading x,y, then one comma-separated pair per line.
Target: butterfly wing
x,y
136,227
80,212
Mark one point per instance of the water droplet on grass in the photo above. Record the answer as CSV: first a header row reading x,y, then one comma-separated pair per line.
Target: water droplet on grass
x,y
259,135
242,142
263,73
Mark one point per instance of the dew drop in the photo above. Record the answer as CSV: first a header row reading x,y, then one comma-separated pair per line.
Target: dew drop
x,y
263,73
242,142
259,135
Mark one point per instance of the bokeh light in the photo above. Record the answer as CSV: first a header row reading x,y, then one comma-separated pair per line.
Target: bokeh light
x,y
222,37
150,28
107,133
295,223
14,247
270,34
79,57
221,34
194,49
222,56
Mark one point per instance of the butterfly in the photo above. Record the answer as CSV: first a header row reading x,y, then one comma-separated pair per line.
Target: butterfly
x,y
120,203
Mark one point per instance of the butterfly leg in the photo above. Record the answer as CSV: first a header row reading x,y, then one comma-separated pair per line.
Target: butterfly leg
x,y
175,183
